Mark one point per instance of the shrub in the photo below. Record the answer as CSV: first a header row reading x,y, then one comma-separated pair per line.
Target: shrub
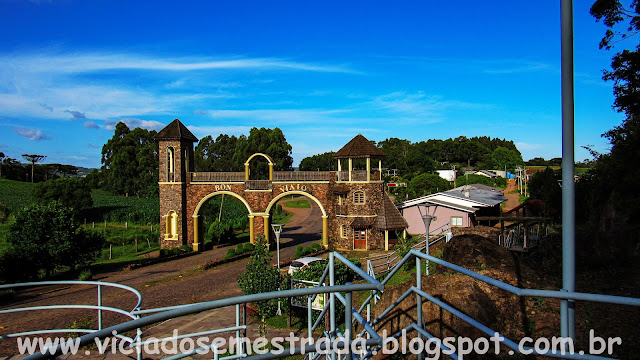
x,y
230,253
261,277
85,275
299,250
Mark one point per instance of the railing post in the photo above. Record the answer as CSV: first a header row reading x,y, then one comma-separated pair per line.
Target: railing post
x,y
99,309
239,342
309,322
418,297
348,325
138,343
332,301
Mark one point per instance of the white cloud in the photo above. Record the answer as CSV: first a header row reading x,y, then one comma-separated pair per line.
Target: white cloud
x,y
133,123
31,134
91,62
527,146
90,125
202,131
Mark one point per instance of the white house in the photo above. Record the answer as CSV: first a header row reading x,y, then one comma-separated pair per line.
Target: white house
x,y
448,175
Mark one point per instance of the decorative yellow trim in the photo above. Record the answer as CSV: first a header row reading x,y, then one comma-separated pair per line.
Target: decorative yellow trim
x,y
355,216
216,182
360,182
269,159
270,190
295,192
170,183
204,199
302,182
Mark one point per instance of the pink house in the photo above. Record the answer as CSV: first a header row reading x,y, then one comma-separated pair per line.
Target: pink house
x,y
457,207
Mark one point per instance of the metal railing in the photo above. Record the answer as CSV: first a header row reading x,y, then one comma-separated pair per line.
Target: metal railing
x,y
515,347
258,185
217,176
341,292
99,308
383,264
358,175
302,175
333,336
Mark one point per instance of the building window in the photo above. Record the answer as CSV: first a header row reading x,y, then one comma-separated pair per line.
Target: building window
x,y
358,197
456,221
170,164
360,234
343,231
342,199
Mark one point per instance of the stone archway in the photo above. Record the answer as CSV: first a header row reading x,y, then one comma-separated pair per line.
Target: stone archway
x,y
325,236
197,236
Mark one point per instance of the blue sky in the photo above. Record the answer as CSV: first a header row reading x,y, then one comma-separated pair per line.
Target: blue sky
x,y
322,71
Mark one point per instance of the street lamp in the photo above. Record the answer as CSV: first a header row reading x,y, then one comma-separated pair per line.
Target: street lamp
x,y
277,229
426,218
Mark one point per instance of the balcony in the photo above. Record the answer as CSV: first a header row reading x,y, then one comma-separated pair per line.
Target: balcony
x,y
341,209
263,185
359,175
217,176
302,175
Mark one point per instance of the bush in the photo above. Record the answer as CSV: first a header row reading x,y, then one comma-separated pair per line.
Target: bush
x,y
299,250
85,275
44,237
230,253
261,277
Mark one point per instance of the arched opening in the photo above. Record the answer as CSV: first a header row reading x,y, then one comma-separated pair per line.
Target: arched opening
x,y
221,217
306,224
170,164
259,167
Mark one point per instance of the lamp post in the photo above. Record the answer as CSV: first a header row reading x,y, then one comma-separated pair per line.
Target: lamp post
x,y
426,218
277,229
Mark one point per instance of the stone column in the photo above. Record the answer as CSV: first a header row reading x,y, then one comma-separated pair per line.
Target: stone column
x,y
271,172
246,171
350,168
325,232
196,234
386,240
252,237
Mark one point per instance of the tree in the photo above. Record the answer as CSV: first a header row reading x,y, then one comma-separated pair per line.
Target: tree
x,y
544,186
33,159
505,158
71,192
271,142
322,162
261,277
425,184
216,155
130,162
47,236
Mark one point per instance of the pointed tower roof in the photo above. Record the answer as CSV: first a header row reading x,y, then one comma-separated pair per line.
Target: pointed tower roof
x,y
175,131
389,218
359,147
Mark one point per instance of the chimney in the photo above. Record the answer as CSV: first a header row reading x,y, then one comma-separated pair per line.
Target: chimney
x,y
466,193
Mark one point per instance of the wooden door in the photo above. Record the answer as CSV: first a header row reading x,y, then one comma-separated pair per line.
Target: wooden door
x,y
360,239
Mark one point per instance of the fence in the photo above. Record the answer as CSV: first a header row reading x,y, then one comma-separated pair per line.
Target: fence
x,y
332,338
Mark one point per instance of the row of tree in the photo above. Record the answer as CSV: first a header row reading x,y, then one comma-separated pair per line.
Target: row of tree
x,y
13,169
414,158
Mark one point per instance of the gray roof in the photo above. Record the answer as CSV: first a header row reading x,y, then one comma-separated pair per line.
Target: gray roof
x,y
479,187
477,194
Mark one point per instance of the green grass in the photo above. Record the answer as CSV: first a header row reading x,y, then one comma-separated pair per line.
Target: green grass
x,y
118,208
300,204
282,219
15,194
125,253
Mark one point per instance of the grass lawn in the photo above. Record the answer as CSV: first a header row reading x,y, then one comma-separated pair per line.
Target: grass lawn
x,y
282,219
300,204
4,230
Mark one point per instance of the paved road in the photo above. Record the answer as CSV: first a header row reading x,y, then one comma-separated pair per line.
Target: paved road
x,y
171,283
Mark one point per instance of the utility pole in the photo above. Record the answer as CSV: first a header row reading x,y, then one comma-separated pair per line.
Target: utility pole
x,y
453,167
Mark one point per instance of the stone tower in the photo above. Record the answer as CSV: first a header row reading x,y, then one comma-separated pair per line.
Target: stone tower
x,y
175,144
